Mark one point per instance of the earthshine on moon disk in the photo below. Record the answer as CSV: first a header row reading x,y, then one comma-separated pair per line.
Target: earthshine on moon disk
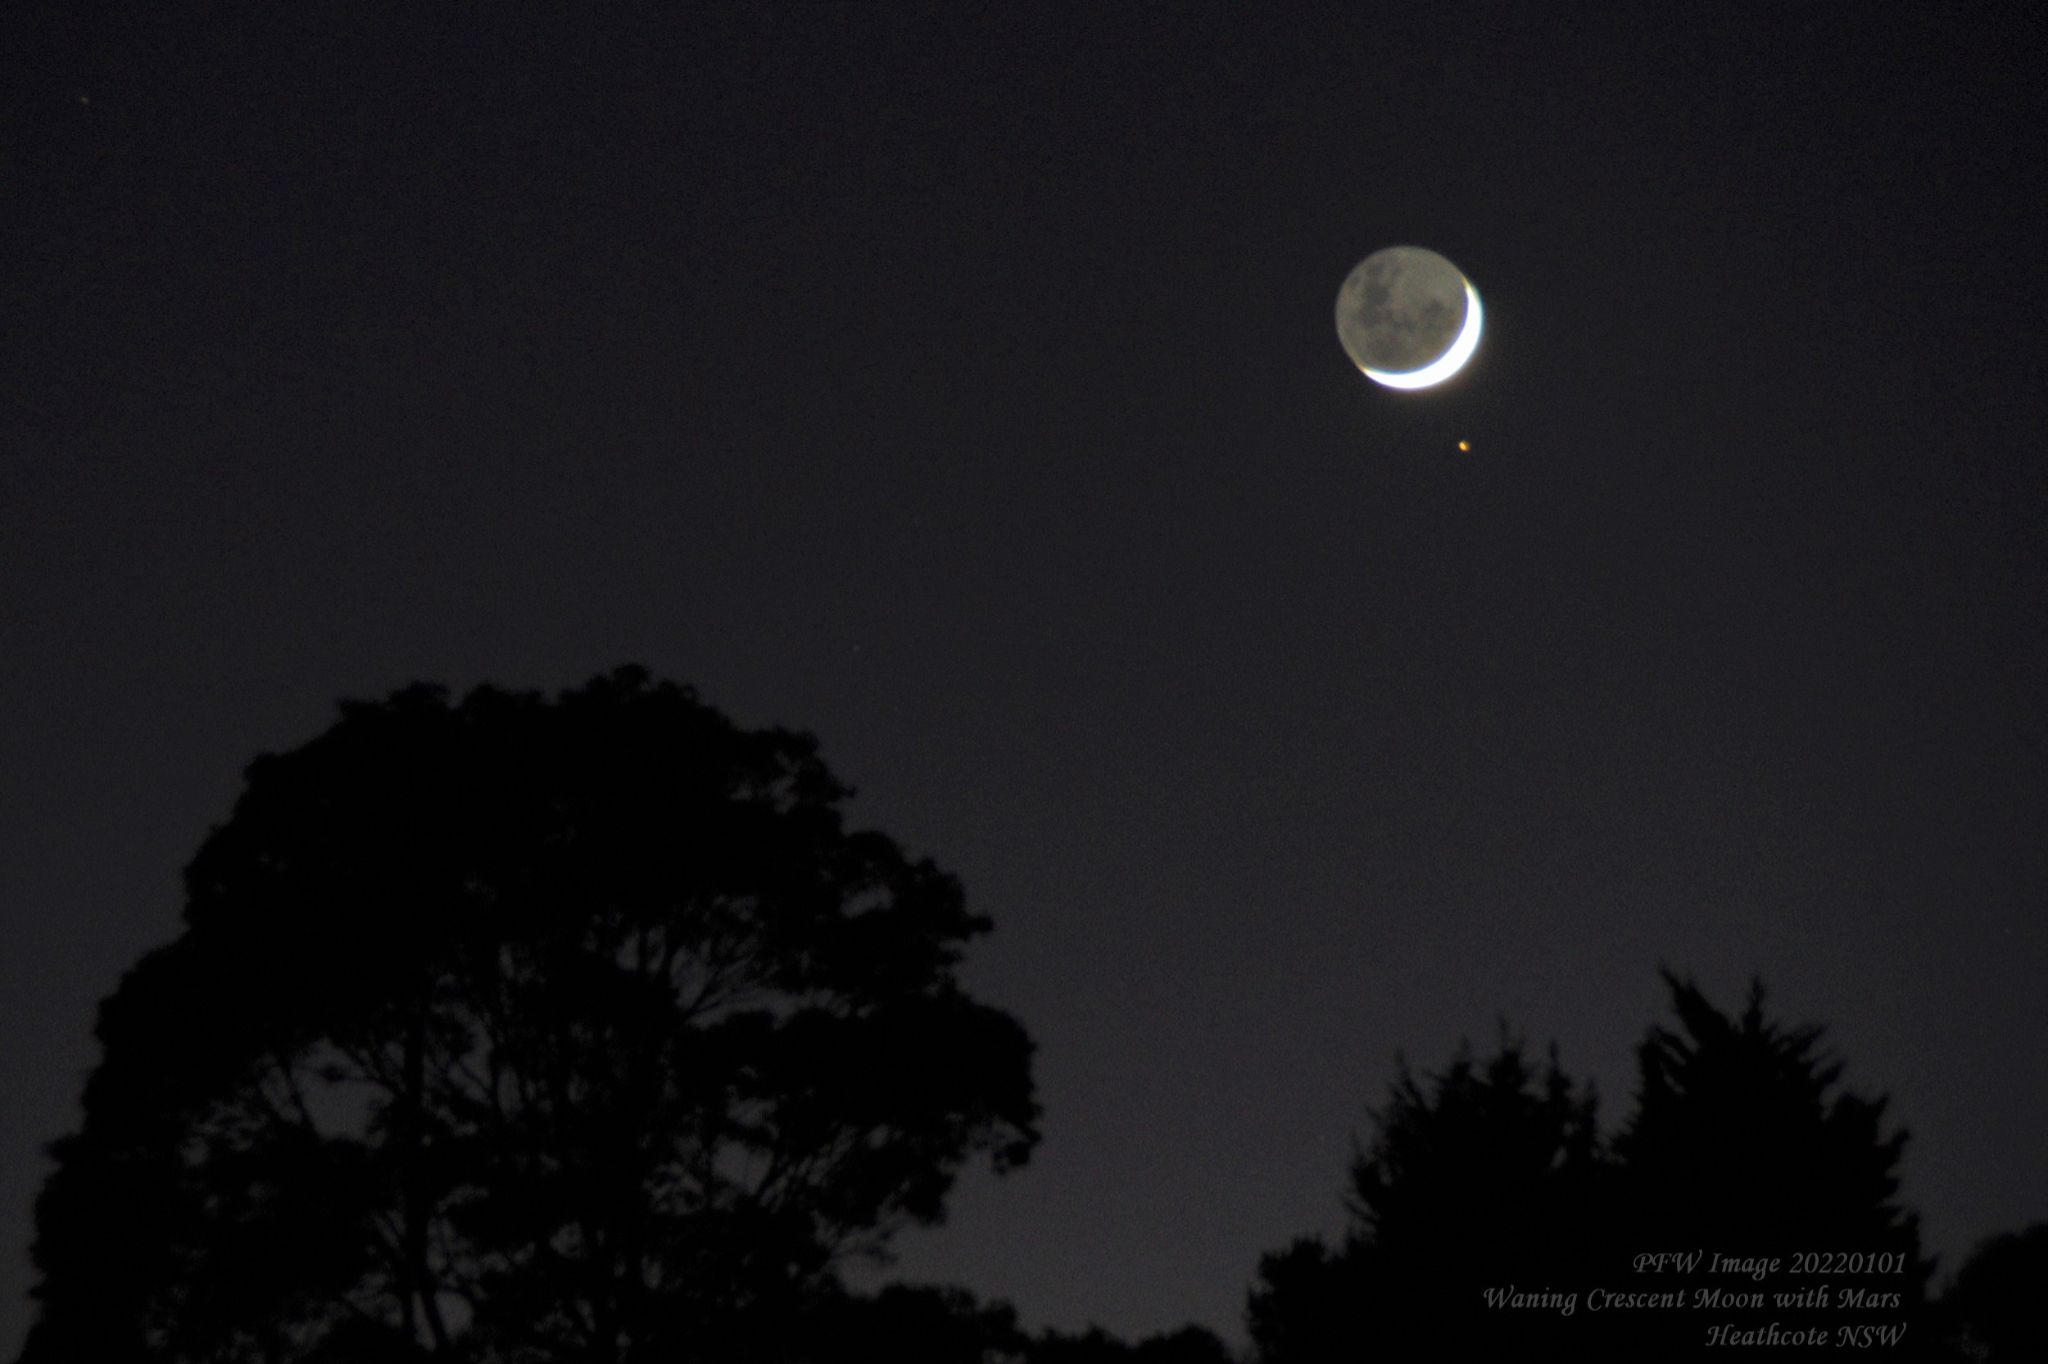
x,y
1408,318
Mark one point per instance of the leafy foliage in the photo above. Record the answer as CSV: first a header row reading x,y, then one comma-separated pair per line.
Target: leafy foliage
x,y
523,1029
1482,1176
1494,1177
1741,1136
925,1324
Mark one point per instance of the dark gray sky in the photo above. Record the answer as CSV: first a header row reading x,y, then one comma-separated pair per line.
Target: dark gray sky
x,y
962,387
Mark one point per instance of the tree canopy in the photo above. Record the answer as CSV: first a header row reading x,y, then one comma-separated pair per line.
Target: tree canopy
x,y
523,1028
1743,1135
1486,1173
1991,1311
923,1324
1488,1208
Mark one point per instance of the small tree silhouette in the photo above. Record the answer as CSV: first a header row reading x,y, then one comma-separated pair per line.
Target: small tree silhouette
x,y
523,1029
1992,1310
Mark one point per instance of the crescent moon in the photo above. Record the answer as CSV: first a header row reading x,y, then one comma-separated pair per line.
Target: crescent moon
x,y
1445,365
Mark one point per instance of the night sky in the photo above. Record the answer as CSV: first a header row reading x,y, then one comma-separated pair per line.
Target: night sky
x,y
959,383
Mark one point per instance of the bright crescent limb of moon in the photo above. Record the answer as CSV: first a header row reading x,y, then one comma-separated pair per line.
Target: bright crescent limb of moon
x,y
1447,364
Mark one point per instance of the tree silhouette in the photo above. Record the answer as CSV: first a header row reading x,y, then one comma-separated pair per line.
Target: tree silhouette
x,y
924,1324
1991,1312
1492,1181
523,1029
1188,1345
1737,1134
1484,1177
1743,1141
912,1324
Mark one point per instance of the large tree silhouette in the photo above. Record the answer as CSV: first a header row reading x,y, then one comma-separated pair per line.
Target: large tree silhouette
x,y
1493,1177
523,1029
